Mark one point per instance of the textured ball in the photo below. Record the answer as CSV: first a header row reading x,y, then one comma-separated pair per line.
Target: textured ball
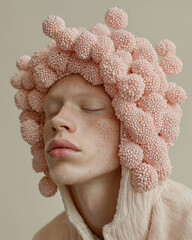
x,y
132,87
175,94
39,56
126,57
47,187
92,73
58,60
44,76
103,48
31,131
130,153
37,146
28,82
67,38
53,25
111,89
165,171
23,62
123,40
21,99
155,152
144,178
171,64
100,29
84,45
39,163
30,114
35,100
164,47
16,80
116,18
113,69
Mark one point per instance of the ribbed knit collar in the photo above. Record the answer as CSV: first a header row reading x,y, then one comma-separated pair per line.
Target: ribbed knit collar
x,y
132,207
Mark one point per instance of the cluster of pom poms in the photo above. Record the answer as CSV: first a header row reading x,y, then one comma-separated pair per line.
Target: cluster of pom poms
x,y
128,68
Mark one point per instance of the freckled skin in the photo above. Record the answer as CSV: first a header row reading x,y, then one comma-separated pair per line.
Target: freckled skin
x,y
96,134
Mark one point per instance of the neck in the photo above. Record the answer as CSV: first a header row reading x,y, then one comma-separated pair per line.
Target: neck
x,y
96,200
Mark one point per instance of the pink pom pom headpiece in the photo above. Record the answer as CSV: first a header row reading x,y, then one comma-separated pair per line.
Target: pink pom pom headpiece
x,y
128,67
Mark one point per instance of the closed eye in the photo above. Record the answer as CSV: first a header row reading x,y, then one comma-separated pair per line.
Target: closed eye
x,y
91,110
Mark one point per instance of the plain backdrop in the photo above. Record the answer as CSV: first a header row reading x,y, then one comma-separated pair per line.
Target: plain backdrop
x,y
23,210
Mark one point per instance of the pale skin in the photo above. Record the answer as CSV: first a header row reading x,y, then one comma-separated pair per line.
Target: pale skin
x,y
82,113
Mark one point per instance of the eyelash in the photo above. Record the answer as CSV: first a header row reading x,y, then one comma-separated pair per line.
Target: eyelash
x,y
88,110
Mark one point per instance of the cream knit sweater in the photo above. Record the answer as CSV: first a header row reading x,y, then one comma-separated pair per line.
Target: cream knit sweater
x,y
164,213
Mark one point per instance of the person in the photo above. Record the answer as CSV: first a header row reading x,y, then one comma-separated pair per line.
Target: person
x,y
100,117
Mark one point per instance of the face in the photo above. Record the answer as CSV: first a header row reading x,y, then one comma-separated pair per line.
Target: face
x,y
81,113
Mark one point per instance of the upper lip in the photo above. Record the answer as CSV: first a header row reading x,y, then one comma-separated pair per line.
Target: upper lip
x,y
59,143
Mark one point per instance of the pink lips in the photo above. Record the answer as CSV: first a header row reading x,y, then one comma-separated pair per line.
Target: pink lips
x,y
61,148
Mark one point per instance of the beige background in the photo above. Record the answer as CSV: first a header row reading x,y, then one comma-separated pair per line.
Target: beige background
x,y
23,210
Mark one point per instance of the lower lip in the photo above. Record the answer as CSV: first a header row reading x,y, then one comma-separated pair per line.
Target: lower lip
x,y
61,152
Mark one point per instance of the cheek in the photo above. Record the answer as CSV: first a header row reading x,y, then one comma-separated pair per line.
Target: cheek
x,y
108,136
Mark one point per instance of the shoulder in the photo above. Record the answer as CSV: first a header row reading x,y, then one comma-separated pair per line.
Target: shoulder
x,y
56,227
172,212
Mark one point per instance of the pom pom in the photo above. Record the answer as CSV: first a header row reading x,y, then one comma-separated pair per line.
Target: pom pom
x,y
111,89
165,47
116,18
35,99
175,94
155,104
130,153
123,40
16,81
47,187
144,50
31,131
52,45
113,69
44,76
84,44
171,64
39,163
27,80
126,57
21,100
144,178
131,88
58,60
31,114
39,56
76,65
156,152
23,62
91,73
53,25
37,146
103,48
139,124
100,29
66,39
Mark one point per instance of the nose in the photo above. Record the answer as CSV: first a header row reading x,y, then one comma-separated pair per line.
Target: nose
x,y
63,121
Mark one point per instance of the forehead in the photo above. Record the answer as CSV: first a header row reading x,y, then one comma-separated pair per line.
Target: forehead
x,y
75,86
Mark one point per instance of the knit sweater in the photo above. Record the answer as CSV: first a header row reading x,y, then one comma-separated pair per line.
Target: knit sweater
x,y
164,213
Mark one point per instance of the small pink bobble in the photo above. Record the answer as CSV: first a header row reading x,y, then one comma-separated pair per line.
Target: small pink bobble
x,y
123,40
175,94
130,153
16,80
67,38
53,25
113,69
165,171
100,29
84,44
103,48
132,87
27,80
31,131
47,187
116,18
23,62
144,178
171,64
39,163
164,47
35,99
21,100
